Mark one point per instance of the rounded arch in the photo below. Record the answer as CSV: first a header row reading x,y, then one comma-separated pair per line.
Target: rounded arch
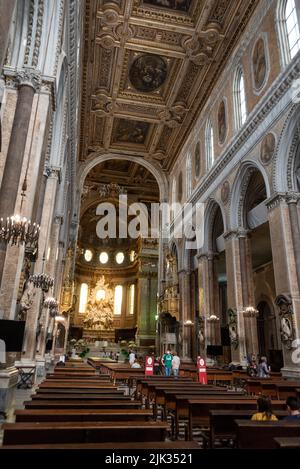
x,y
239,191
285,157
152,167
210,214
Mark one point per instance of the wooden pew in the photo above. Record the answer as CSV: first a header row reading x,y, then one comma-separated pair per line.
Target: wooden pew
x,y
83,397
287,443
64,376
260,435
70,384
222,422
82,432
198,409
79,391
167,397
80,415
79,404
143,383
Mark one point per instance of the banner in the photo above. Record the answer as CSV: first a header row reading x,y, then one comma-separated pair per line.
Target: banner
x,y
202,373
149,366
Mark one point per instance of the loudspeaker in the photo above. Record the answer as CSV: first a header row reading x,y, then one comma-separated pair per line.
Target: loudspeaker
x,y
225,337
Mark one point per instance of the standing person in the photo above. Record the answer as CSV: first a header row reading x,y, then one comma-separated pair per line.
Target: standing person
x,y
264,407
175,364
156,366
167,362
293,407
131,357
263,368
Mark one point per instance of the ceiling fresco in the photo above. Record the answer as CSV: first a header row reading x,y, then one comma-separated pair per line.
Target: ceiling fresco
x,y
180,5
148,68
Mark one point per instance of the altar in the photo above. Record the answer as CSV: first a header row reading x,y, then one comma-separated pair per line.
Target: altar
x,y
98,319
92,335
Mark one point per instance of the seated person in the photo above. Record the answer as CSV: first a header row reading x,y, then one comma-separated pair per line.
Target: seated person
x,y
263,370
293,406
264,407
135,364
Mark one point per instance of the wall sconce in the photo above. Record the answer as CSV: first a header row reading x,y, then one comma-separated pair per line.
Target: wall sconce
x,y
188,322
250,312
213,318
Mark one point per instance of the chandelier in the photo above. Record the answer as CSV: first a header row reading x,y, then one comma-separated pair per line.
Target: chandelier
x,y
250,312
213,318
19,230
52,304
42,281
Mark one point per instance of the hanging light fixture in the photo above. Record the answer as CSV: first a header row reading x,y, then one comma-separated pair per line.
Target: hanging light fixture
x,y
42,281
17,230
213,318
52,304
250,312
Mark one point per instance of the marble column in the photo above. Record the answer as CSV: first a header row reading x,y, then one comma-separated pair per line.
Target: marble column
x,y
235,297
33,159
251,336
285,248
34,315
203,339
28,82
185,300
147,307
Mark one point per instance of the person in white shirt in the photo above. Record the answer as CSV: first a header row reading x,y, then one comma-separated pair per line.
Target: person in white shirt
x,y
131,357
175,365
135,364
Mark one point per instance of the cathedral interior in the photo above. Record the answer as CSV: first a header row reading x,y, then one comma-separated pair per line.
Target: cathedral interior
x,y
149,191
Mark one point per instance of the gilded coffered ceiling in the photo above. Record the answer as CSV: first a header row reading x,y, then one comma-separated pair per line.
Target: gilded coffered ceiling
x,y
148,69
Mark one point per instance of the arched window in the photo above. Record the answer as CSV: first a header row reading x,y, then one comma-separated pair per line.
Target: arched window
x,y
288,29
292,28
240,107
84,290
131,299
118,300
188,169
209,144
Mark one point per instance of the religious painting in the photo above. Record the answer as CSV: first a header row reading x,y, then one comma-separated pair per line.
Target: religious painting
x,y
179,5
267,148
179,193
222,123
148,72
129,131
259,63
197,160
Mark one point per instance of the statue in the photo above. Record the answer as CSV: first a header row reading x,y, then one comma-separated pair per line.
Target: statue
x,y
100,307
26,301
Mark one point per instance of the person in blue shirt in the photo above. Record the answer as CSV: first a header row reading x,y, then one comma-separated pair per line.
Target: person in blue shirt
x,y
293,406
167,362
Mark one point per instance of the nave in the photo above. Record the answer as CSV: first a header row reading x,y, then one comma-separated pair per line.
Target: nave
x,y
103,404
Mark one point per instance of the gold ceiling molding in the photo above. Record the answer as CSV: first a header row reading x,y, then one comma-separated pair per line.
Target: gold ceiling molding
x,y
148,69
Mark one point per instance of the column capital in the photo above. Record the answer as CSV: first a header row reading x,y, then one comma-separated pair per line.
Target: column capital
x,y
275,200
208,255
29,77
53,172
236,233
292,197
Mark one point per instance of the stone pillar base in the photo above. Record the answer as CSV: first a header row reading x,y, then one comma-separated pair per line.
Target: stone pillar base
x,y
291,372
8,384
